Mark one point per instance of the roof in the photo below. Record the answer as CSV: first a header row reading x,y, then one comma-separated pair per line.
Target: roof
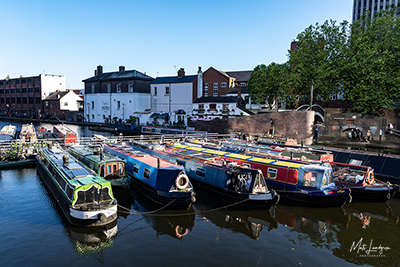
x,y
119,75
56,95
217,99
175,79
241,76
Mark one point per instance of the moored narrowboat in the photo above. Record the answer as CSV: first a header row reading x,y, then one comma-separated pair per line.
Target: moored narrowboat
x,y
108,167
85,198
8,133
361,181
28,133
164,183
64,134
296,182
237,185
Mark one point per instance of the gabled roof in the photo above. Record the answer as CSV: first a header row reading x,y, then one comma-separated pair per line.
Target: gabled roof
x,y
241,76
217,99
175,79
56,95
119,75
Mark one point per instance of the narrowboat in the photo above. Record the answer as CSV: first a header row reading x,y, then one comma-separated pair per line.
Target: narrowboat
x,y
108,167
28,133
166,184
85,198
296,182
361,181
8,133
64,134
236,185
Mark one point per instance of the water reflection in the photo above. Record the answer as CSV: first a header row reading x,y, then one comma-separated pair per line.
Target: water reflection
x,y
175,223
92,241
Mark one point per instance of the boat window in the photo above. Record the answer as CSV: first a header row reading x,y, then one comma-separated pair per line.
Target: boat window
x,y
136,168
272,173
108,169
310,179
146,173
355,162
260,185
246,164
180,162
200,172
328,177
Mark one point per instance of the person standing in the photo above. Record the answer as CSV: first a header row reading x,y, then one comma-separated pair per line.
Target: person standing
x,y
369,134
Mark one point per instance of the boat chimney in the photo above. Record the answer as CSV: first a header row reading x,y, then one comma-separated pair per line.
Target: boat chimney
x,y
158,163
65,160
49,146
162,140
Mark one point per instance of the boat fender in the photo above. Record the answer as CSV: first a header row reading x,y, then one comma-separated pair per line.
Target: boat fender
x,y
370,178
181,181
102,217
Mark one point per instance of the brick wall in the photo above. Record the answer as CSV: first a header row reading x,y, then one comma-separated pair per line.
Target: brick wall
x,y
291,124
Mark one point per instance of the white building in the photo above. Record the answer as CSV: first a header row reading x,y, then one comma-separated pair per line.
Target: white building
x,y
219,107
118,94
172,97
374,6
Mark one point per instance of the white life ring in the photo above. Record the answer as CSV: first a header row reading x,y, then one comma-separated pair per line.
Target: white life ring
x,y
182,181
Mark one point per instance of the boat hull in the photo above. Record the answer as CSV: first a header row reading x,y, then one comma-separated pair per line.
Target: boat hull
x,y
299,198
66,207
370,193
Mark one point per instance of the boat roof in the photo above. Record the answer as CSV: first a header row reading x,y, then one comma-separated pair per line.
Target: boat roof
x,y
74,171
64,129
88,152
8,129
275,162
148,159
27,128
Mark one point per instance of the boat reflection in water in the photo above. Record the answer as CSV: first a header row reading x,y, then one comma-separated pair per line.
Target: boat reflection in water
x,y
92,241
175,223
235,218
349,232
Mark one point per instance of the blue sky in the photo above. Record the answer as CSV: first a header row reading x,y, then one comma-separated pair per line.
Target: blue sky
x,y
157,37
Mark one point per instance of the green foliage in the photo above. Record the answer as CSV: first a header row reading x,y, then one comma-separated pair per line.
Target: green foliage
x,y
318,60
372,72
267,83
132,120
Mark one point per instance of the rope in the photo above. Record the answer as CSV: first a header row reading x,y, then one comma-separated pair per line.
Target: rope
x,y
149,212
184,214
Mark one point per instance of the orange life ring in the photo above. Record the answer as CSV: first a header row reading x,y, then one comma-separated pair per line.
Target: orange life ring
x,y
370,178
178,234
178,182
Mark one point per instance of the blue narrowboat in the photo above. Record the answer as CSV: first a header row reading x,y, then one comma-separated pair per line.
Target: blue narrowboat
x,y
237,185
164,183
297,183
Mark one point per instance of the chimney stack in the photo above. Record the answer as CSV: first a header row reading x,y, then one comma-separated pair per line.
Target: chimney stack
x,y
99,70
181,72
239,91
121,68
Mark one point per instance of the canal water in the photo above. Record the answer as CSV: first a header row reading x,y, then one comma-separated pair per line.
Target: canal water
x,y
33,232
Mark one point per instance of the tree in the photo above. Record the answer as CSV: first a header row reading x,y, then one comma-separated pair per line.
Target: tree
x,y
373,80
267,83
318,59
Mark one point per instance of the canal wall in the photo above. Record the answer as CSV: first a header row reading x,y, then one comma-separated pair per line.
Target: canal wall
x,y
296,125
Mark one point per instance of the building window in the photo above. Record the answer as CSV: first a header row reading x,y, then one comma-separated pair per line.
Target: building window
x,y
92,104
18,100
7,91
38,100
109,88
30,90
65,104
23,80
24,100
12,90
166,90
213,106
118,105
206,90
242,84
201,106
93,116
225,107
18,90
31,100
215,89
1,91
155,90
130,88
2,100
24,90
119,88
93,90
37,89
223,85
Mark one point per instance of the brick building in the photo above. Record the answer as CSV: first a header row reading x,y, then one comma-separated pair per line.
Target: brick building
x,y
22,97
63,105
